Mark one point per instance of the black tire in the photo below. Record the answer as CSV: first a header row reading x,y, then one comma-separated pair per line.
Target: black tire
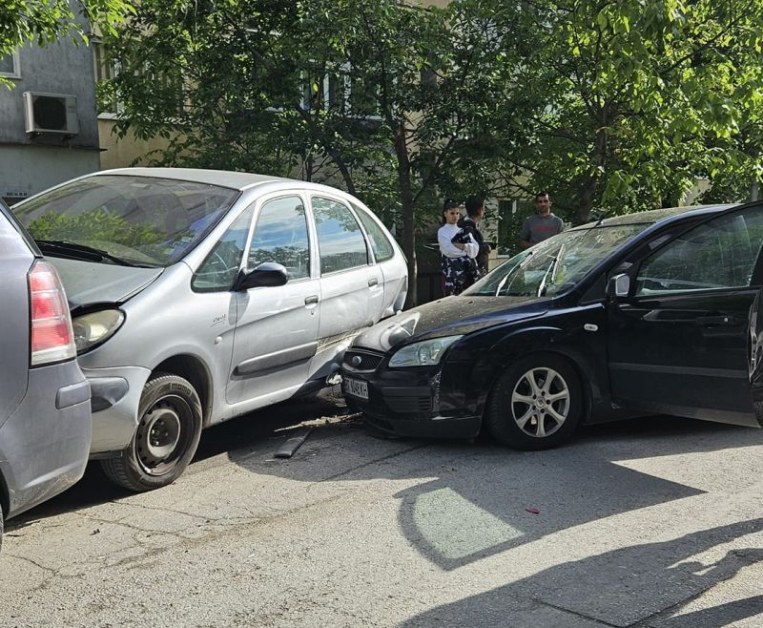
x,y
542,416
168,434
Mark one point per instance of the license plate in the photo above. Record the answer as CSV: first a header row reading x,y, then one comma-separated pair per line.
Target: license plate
x,y
356,388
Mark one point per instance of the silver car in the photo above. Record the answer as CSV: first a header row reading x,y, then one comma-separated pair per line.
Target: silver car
x,y
198,296
44,397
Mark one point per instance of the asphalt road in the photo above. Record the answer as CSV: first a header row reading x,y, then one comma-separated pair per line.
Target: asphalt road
x,y
651,523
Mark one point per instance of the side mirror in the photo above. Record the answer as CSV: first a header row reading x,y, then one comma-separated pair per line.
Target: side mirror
x,y
619,286
267,274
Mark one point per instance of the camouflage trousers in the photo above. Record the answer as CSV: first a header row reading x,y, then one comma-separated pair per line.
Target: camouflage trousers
x,y
458,273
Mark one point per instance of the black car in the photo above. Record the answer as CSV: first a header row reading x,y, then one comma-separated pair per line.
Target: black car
x,y
632,315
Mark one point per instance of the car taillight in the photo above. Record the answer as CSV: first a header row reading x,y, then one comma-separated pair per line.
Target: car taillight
x,y
52,339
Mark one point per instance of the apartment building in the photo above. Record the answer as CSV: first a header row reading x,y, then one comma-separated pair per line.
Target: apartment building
x,y
48,119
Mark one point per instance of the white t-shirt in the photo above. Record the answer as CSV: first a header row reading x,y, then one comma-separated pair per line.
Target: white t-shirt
x,y
448,249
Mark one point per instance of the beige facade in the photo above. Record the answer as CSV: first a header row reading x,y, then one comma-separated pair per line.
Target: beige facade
x,y
119,152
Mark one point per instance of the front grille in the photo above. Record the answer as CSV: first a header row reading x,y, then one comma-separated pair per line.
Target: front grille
x,y
410,405
361,360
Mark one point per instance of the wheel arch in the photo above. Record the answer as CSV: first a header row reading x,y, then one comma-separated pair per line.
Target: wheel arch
x,y
194,370
5,499
549,341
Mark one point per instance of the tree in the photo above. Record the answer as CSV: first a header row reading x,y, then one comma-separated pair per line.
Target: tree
x,y
637,99
44,21
386,100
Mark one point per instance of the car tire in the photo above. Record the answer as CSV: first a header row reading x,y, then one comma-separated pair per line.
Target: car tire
x,y
168,434
536,404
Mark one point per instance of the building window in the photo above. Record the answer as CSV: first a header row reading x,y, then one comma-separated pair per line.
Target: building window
x,y
105,69
340,89
9,66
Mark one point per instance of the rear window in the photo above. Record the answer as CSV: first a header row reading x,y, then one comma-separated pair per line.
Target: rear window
x,y
382,247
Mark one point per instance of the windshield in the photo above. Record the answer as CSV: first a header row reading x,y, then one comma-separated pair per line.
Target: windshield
x,y
143,221
554,265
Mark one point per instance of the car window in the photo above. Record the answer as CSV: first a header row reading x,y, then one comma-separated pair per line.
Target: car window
x,y
382,247
718,254
340,240
218,271
280,235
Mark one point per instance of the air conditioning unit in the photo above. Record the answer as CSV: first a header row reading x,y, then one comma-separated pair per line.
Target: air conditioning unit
x,y
51,113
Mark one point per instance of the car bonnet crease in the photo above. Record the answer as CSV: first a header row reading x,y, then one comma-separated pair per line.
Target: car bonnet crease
x,y
451,316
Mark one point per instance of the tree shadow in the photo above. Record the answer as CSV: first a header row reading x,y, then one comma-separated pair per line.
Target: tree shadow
x,y
617,588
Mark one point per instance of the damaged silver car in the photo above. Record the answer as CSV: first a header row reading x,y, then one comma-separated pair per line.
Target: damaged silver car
x,y
198,296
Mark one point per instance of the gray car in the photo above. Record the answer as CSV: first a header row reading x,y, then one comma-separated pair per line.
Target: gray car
x,y
44,397
198,296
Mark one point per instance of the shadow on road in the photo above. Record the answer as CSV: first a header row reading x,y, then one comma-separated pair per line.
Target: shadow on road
x,y
475,499
238,438
619,588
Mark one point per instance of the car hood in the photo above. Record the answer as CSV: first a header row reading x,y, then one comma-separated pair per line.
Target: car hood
x,y
87,283
449,317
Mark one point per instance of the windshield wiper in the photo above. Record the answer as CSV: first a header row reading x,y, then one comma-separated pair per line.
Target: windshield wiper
x,y
80,251
511,273
552,270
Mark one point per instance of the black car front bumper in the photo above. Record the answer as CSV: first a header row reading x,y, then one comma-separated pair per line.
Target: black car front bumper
x,y
405,402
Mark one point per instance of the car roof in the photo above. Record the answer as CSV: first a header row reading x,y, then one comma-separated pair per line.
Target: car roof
x,y
224,178
659,215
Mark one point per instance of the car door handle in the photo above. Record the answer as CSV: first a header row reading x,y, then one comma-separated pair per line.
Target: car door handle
x,y
373,282
718,319
311,300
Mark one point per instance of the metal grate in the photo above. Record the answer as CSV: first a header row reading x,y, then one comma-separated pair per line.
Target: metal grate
x,y
362,360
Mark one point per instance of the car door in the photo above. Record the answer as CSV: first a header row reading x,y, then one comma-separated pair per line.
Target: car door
x,y
277,326
678,342
755,355
352,287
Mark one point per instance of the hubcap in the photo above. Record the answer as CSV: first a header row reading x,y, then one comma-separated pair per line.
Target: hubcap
x,y
540,402
159,433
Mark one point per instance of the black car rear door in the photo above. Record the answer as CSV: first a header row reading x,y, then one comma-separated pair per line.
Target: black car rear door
x,y
678,343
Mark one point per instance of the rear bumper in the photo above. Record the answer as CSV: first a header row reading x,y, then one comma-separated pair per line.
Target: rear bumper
x,y
44,444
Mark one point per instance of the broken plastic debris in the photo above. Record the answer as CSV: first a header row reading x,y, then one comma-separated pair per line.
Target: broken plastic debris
x,y
532,510
291,445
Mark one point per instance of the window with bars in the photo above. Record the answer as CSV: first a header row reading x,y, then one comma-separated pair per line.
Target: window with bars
x,y
9,66
105,69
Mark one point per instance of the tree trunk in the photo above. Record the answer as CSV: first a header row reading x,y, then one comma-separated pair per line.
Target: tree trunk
x,y
408,236
591,185
587,194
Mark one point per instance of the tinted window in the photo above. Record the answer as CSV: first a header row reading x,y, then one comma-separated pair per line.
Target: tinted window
x,y
280,235
380,244
718,254
340,239
218,271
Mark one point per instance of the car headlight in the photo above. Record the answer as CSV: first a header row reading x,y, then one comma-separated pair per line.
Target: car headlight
x,y
94,328
426,353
